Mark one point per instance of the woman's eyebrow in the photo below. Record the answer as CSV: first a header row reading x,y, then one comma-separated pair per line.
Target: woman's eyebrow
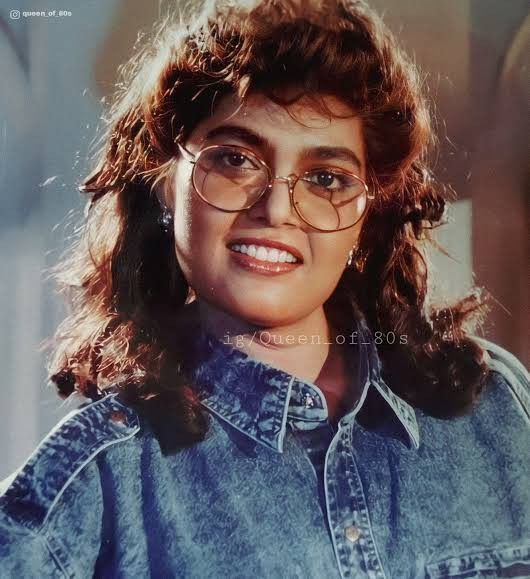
x,y
249,137
243,134
326,153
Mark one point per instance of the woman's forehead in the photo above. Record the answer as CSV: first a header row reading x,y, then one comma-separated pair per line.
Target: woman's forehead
x,y
318,117
317,109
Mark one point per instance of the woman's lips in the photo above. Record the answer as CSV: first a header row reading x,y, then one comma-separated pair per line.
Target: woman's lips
x,y
260,266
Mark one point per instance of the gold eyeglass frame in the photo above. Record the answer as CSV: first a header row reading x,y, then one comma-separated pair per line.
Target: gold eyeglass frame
x,y
291,181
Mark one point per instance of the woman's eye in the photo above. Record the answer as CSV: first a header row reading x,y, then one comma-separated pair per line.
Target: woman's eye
x,y
326,179
226,160
235,159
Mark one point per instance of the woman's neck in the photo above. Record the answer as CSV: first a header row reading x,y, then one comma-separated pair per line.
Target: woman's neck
x,y
306,349
300,348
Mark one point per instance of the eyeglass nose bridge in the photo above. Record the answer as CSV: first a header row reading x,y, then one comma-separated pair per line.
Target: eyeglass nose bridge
x,y
290,180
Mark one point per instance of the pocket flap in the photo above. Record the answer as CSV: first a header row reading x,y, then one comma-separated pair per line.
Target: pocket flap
x,y
510,561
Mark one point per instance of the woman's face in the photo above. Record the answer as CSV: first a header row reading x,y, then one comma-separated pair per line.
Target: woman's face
x,y
261,292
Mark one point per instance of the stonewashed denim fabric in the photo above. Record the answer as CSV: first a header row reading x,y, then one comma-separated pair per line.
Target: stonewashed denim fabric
x,y
276,490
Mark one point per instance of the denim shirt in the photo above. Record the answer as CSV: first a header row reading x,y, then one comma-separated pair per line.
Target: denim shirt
x,y
276,489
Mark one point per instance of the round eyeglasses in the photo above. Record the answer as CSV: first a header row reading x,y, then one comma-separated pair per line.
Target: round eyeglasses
x,y
232,178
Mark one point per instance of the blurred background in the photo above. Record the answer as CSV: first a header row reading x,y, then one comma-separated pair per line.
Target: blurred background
x,y
55,73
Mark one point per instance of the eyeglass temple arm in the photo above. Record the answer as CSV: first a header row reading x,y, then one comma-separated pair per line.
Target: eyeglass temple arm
x,y
188,155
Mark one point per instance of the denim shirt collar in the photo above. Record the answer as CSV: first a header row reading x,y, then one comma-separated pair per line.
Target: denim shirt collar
x,y
258,399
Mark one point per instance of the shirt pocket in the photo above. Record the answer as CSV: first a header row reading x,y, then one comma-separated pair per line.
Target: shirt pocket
x,y
511,561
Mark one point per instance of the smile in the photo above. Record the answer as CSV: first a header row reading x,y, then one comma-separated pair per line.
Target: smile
x,y
262,253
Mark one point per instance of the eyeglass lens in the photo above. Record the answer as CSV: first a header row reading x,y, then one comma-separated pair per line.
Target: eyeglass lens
x,y
233,179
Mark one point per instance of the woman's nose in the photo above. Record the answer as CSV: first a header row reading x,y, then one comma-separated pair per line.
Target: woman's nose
x,y
275,204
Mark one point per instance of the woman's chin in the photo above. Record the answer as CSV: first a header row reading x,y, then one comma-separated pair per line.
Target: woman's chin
x,y
265,313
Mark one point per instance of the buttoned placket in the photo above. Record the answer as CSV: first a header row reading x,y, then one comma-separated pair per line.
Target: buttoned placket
x,y
347,511
340,487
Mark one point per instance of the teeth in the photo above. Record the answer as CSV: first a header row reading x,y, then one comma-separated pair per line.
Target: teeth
x,y
261,253
265,253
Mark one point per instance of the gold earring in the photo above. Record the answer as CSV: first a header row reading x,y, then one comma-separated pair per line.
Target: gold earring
x,y
356,258
351,255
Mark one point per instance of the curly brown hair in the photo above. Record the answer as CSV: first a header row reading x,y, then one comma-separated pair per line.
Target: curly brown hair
x,y
124,283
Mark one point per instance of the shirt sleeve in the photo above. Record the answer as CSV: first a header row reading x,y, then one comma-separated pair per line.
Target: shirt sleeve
x,y
26,553
49,531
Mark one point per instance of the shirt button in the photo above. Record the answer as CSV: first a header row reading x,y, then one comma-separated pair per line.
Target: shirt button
x,y
118,416
309,401
352,534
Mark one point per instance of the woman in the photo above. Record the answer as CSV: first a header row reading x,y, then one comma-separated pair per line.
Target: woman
x,y
274,395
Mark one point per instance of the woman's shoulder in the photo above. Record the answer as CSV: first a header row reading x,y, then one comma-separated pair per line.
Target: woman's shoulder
x,y
68,448
507,372
500,412
57,493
